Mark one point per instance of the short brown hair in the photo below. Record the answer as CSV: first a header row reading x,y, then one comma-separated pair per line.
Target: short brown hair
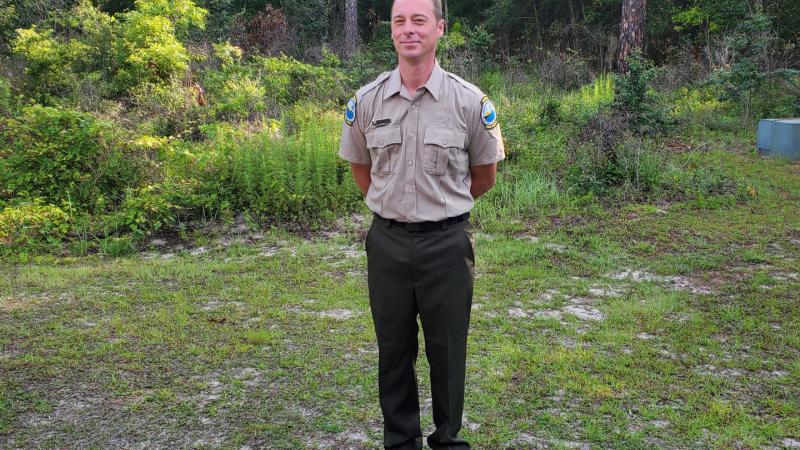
x,y
437,9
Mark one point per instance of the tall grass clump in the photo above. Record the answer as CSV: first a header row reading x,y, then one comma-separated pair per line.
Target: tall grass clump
x,y
581,104
295,177
519,194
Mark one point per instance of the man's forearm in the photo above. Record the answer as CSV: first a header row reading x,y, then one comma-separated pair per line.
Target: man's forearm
x,y
362,177
483,179
478,189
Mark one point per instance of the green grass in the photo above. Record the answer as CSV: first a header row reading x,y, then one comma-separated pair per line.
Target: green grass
x,y
268,342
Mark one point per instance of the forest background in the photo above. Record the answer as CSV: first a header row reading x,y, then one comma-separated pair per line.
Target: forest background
x,y
123,119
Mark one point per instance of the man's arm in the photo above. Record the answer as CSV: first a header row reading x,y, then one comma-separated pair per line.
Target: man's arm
x,y
483,178
361,176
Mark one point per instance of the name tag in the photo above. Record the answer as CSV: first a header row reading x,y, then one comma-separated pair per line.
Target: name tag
x,y
381,122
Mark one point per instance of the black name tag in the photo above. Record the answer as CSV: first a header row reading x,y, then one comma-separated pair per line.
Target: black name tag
x,y
381,122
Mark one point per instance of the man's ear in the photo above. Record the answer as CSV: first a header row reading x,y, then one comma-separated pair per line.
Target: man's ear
x,y
440,27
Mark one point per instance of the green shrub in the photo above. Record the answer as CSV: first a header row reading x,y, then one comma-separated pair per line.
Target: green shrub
x,y
466,50
32,225
290,174
7,100
643,108
50,63
63,157
116,246
169,108
579,105
288,81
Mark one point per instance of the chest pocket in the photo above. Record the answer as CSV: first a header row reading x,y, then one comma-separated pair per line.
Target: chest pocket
x,y
384,146
438,144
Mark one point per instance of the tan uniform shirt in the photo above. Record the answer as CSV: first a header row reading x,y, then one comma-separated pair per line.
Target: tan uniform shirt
x,y
420,146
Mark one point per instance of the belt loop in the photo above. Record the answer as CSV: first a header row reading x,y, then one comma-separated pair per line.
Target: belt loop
x,y
444,224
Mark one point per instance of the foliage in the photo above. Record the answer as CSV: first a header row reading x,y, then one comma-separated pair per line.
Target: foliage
x,y
7,98
296,178
246,90
172,108
266,32
642,106
466,50
51,63
745,79
149,49
31,225
63,157
581,104
566,70
148,209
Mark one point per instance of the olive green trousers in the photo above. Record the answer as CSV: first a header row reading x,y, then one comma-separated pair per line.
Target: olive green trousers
x,y
430,274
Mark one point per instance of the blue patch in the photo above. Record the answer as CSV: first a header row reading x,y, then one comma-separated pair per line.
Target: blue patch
x,y
350,112
488,113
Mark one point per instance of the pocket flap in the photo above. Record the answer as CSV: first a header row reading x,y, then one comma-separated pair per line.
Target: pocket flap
x,y
383,136
444,137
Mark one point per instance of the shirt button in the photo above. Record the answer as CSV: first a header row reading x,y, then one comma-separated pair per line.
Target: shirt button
x,y
410,162
411,190
413,107
412,134
412,218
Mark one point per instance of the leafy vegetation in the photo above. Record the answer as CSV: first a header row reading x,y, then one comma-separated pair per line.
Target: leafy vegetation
x,y
130,118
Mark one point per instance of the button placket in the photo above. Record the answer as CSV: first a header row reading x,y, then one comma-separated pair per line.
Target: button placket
x,y
411,150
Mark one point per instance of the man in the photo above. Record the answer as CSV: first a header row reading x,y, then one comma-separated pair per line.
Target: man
x,y
423,144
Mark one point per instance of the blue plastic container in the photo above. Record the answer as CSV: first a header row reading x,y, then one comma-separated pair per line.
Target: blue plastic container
x,y
779,137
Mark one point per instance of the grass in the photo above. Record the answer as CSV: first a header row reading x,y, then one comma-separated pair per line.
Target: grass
x,y
639,327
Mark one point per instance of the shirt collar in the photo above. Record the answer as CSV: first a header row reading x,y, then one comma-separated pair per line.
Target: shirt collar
x,y
433,85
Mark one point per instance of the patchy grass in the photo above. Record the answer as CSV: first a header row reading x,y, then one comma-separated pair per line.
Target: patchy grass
x,y
649,326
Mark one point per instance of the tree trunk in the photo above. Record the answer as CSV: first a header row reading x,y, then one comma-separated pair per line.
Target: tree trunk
x,y
350,28
631,30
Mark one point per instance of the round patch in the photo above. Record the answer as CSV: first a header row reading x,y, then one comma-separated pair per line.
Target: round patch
x,y
488,114
350,112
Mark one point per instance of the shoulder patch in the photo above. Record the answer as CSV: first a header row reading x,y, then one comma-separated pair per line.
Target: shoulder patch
x,y
488,113
350,112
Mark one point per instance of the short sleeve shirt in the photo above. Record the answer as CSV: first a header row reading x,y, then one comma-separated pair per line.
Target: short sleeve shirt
x,y
420,145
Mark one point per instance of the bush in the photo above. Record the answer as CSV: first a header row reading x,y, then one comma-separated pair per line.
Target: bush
x,y
167,109
634,98
63,157
239,91
265,33
293,178
565,70
31,226
287,81
50,63
466,50
7,100
148,209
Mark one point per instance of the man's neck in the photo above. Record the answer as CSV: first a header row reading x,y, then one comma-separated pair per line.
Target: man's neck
x,y
414,75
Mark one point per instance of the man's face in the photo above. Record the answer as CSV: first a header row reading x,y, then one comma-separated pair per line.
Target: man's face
x,y
415,30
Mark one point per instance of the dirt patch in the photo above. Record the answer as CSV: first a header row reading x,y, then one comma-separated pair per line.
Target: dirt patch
x,y
675,283
712,370
217,304
339,314
581,307
790,443
612,291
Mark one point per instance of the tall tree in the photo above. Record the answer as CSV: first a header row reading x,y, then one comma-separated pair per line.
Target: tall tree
x,y
631,30
350,27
